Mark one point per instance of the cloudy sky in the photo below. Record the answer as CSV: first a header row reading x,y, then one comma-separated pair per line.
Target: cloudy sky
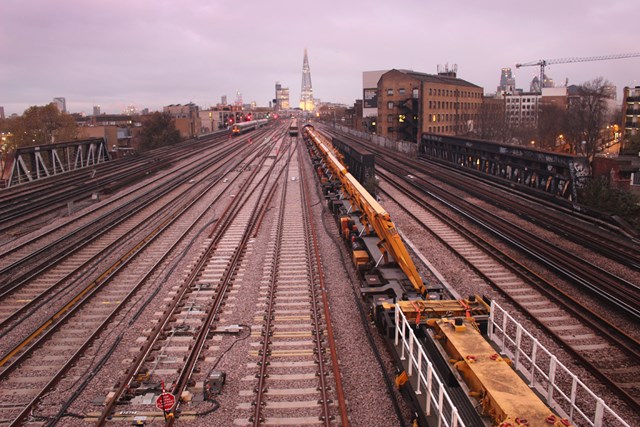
x,y
150,53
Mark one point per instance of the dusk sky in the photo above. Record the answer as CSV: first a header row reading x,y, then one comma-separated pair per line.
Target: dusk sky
x,y
153,53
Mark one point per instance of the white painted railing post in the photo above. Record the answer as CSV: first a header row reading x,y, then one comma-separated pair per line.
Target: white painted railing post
x,y
552,379
429,388
411,354
440,396
518,342
397,322
574,390
504,329
491,321
597,418
419,371
454,417
534,350
404,337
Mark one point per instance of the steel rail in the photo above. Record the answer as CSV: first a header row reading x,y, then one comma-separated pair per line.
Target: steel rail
x,y
144,353
315,260
610,331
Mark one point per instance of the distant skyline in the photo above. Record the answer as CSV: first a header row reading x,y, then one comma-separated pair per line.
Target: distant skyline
x,y
154,53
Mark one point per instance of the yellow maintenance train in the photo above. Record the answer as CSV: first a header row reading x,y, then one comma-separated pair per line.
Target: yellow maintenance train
x,y
449,369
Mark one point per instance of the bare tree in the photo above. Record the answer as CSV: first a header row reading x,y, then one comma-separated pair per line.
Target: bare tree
x,y
492,120
551,124
588,115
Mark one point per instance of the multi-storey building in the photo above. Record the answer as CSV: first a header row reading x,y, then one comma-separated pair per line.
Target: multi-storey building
x,y
186,118
61,103
507,81
370,92
631,110
410,103
306,92
282,97
522,109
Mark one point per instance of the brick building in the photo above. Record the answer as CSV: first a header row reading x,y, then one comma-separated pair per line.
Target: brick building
x,y
186,118
410,103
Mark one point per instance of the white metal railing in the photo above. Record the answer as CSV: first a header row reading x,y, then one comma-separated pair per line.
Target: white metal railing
x,y
563,390
437,401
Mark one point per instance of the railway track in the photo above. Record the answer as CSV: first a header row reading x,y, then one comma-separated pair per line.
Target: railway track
x,y
610,352
189,341
592,233
54,244
608,348
27,206
52,349
295,381
71,259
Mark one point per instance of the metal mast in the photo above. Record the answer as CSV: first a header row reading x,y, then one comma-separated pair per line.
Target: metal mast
x,y
306,93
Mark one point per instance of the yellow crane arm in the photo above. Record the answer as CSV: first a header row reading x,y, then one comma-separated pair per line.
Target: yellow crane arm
x,y
374,214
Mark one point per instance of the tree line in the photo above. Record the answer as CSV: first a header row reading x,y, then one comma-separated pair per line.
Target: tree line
x,y
41,125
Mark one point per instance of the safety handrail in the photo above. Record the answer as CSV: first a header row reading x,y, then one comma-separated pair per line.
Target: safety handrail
x,y
437,400
562,389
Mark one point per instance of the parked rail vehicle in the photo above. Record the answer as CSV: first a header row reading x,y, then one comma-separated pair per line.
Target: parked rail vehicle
x,y
460,380
293,129
360,162
240,128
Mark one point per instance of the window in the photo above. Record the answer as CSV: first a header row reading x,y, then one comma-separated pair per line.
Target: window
x,y
390,129
390,104
430,91
389,92
401,91
415,93
390,118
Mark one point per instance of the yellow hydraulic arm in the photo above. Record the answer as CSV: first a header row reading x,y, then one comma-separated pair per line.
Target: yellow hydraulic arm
x,y
373,215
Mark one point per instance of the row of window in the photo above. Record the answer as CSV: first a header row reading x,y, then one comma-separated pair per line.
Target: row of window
x,y
453,105
445,105
440,129
519,100
451,117
523,107
457,93
440,92
401,91
517,119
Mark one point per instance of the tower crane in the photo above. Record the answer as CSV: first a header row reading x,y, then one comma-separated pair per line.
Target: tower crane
x,y
544,62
